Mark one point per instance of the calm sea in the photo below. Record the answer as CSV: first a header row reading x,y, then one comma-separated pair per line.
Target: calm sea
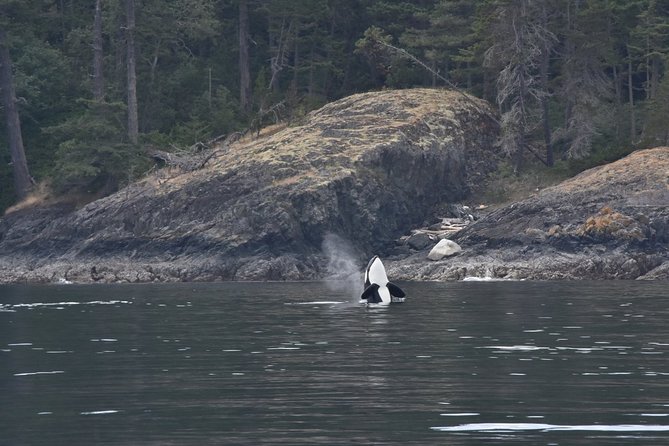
x,y
468,363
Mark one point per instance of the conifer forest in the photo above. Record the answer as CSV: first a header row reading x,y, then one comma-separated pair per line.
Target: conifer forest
x,y
90,88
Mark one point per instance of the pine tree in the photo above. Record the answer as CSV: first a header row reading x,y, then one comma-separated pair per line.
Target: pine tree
x,y
657,121
584,83
651,44
98,54
520,40
131,64
244,62
444,39
91,155
652,41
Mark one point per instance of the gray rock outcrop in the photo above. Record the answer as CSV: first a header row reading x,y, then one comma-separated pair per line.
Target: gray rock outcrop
x,y
610,222
369,167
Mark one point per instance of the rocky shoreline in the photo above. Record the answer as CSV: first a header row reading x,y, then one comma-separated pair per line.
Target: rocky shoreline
x,y
610,222
371,168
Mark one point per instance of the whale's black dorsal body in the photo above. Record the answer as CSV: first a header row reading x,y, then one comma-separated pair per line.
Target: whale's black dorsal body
x,y
378,290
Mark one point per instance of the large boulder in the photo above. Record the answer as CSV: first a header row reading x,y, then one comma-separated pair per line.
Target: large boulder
x,y
445,248
368,167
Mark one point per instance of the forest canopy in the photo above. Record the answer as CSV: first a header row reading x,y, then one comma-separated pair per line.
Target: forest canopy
x,y
91,87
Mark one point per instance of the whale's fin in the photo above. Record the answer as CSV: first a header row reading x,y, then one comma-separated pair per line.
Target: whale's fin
x,y
395,290
371,293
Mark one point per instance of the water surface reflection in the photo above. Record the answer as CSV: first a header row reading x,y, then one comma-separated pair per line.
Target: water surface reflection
x,y
284,363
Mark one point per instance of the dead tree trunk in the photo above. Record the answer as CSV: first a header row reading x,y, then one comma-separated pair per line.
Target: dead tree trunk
x,y
133,120
544,67
244,66
279,59
98,77
22,180
630,94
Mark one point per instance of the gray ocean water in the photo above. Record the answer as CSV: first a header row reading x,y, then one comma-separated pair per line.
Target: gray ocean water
x,y
468,363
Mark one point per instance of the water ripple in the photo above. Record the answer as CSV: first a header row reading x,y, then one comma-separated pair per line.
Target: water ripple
x,y
13,307
515,427
53,372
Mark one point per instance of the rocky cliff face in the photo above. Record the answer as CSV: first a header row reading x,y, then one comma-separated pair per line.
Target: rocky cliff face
x,y
368,167
610,222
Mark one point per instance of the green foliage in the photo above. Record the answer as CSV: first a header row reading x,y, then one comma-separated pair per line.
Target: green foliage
x,y
92,156
603,154
606,84
372,47
657,121
42,79
442,37
506,185
211,116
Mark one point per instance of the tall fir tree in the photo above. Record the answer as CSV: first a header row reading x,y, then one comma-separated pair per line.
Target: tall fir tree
x,y
519,41
585,86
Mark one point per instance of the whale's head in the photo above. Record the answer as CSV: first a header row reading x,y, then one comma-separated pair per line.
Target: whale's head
x,y
376,272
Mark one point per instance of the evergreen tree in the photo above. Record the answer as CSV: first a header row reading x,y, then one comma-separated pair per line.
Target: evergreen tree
x,y
98,54
93,155
444,40
651,44
244,62
651,37
131,64
652,32
520,39
657,121
577,75
585,87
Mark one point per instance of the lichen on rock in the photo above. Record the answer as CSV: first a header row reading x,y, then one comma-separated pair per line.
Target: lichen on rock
x,y
609,222
368,167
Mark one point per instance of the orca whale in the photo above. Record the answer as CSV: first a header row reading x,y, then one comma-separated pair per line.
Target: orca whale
x,y
378,290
